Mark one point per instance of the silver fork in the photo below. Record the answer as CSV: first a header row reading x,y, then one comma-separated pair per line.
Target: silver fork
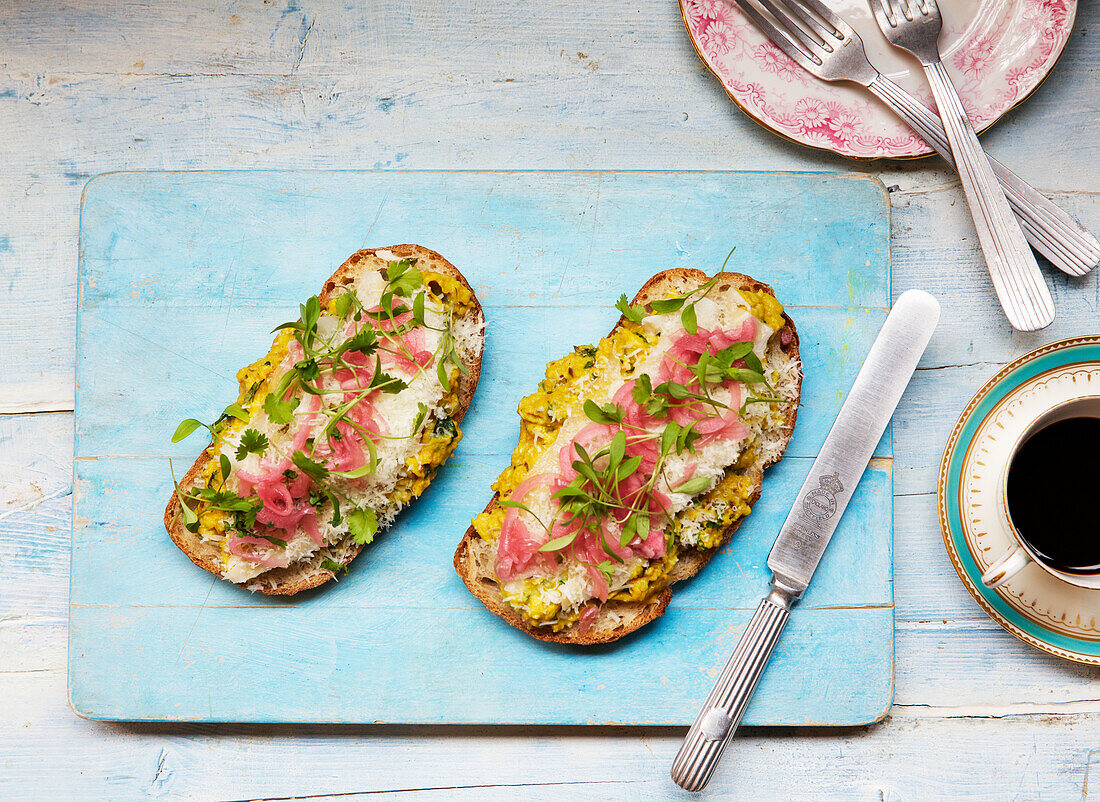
x,y
914,25
828,47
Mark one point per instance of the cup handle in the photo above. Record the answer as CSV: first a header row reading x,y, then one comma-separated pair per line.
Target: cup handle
x,y
1005,568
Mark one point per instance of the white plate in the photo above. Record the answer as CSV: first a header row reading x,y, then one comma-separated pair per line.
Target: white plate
x,y
997,52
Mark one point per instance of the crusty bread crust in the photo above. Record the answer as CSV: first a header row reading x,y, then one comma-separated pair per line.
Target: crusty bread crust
x,y
474,557
309,573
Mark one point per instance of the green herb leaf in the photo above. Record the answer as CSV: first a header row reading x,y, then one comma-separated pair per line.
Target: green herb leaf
x,y
362,524
617,449
558,543
632,312
344,303
252,442
669,437
336,517
669,305
687,317
281,411
274,540
186,427
234,410
365,341
605,567
403,277
418,421
608,413
418,308
225,466
190,519
308,369
692,486
311,468
630,529
384,381
627,467
333,566
311,311
358,473
752,361
444,379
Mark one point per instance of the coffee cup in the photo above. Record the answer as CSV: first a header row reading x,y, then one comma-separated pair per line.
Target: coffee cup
x,y
1023,549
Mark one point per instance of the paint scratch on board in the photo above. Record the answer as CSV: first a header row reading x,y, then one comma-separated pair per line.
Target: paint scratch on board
x,y
198,615
35,502
377,214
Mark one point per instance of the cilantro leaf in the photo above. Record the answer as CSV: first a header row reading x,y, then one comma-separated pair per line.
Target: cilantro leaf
x,y
632,312
308,369
365,341
404,277
252,442
344,303
280,411
362,523
384,381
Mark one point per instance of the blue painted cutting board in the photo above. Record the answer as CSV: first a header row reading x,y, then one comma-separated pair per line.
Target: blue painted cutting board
x,y
182,277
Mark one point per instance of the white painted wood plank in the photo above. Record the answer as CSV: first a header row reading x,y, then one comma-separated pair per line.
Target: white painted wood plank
x,y
50,753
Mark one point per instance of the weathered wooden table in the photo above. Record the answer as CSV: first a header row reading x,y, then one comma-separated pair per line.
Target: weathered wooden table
x,y
281,84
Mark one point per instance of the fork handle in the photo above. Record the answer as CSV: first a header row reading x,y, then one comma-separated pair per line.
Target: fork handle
x,y
1016,278
721,713
1049,229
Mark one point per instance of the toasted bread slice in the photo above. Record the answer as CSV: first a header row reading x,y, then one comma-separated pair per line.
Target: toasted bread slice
x,y
309,573
475,557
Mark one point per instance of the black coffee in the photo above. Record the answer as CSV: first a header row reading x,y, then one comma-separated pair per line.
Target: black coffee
x,y
1054,494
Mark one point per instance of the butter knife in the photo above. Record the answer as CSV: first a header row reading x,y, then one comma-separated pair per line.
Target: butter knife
x,y
809,526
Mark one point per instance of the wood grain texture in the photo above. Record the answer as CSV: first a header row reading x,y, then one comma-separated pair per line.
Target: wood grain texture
x,y
171,263
90,88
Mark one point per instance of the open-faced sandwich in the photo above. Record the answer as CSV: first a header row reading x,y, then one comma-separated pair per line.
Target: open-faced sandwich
x,y
637,459
343,423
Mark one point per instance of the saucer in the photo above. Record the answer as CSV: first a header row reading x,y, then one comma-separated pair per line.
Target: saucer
x,y
1036,607
997,52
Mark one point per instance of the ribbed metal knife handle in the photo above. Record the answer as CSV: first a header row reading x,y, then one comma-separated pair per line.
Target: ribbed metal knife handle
x,y
721,713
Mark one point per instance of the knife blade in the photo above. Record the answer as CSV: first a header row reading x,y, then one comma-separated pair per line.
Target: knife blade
x,y
852,439
813,519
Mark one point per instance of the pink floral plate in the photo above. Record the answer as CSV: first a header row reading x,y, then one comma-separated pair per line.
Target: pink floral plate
x,y
997,52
